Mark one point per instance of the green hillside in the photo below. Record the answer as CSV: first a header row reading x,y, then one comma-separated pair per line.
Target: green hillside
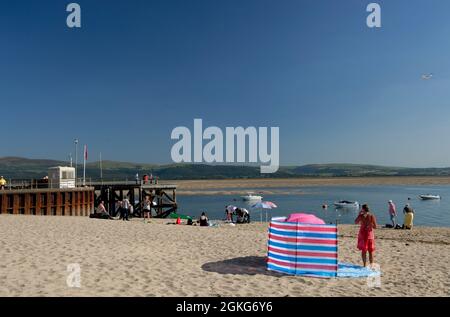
x,y
23,168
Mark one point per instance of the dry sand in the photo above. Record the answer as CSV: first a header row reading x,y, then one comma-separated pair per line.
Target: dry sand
x,y
134,258
270,185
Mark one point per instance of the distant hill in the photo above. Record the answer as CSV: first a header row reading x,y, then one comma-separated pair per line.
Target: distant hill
x,y
23,168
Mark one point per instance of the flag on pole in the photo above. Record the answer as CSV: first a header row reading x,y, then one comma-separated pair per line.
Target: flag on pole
x,y
85,152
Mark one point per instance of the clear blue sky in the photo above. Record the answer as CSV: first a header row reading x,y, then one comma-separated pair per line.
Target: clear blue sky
x,y
339,91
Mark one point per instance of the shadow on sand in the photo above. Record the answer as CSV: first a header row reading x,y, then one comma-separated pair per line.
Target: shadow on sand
x,y
248,265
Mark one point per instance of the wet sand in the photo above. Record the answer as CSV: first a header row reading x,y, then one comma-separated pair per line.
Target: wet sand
x,y
269,186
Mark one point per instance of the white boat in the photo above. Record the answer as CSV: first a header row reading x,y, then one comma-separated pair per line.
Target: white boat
x,y
346,204
251,197
429,197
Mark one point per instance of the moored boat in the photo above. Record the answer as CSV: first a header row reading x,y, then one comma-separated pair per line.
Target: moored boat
x,y
346,204
251,197
429,197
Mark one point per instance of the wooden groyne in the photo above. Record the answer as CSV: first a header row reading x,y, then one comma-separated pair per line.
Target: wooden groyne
x,y
77,201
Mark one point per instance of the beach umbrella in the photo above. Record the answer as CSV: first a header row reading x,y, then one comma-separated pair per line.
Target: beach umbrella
x,y
264,205
305,218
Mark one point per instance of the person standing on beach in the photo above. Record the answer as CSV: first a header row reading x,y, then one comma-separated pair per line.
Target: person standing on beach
x,y
2,182
125,209
366,235
409,217
137,178
392,213
147,208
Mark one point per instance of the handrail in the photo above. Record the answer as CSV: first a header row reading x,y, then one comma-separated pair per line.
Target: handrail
x,y
34,183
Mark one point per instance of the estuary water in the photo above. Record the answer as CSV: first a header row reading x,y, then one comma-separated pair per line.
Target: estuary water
x,y
310,200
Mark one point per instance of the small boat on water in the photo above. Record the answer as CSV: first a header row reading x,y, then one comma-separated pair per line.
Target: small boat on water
x,y
251,197
429,197
346,204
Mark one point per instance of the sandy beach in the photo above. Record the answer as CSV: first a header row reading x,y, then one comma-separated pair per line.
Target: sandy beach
x,y
134,258
270,185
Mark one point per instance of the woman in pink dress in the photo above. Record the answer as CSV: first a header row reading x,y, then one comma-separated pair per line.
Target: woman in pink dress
x,y
366,236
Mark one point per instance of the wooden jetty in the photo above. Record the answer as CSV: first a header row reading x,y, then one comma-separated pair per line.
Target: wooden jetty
x,y
163,196
29,199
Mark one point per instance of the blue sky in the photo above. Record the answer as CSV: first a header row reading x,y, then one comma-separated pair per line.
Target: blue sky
x,y
339,91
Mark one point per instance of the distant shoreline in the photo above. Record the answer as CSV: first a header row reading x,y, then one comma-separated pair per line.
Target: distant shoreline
x,y
266,185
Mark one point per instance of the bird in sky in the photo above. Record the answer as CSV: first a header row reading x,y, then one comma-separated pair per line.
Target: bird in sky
x,y
427,76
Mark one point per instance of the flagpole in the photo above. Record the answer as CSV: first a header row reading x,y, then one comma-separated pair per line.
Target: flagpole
x,y
76,161
84,165
101,167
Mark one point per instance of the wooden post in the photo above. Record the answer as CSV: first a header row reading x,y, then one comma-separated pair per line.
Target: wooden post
x,y
92,205
16,204
58,204
78,202
83,203
38,204
27,206
48,208
4,206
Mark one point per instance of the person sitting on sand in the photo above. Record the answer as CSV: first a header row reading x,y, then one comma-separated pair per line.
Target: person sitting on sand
x,y
366,236
203,220
101,210
409,217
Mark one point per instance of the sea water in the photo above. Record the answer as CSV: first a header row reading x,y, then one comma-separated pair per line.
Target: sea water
x,y
310,200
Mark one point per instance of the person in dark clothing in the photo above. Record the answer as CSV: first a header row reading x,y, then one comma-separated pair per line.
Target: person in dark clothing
x,y
203,220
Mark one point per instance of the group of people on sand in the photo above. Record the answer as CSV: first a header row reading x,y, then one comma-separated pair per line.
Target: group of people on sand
x,y
124,209
408,212
242,214
368,223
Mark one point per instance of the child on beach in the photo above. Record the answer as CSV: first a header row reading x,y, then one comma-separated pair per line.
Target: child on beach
x,y
366,236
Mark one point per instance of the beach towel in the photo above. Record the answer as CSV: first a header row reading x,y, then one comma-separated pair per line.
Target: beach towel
x,y
353,270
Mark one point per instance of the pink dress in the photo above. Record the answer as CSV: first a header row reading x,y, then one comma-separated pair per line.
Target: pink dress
x,y
366,236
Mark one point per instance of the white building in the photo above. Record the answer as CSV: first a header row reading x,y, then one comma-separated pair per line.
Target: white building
x,y
61,177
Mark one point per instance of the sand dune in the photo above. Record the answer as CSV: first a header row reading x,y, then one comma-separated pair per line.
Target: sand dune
x,y
157,259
